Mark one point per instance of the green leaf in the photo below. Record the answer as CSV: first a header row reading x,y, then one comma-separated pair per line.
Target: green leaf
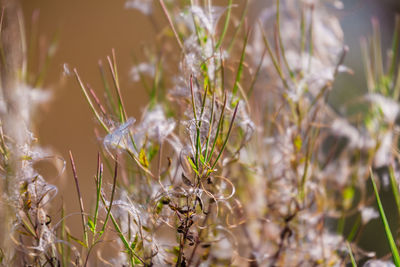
x,y
298,142
90,223
392,244
202,159
152,152
348,195
143,159
209,171
159,207
137,261
193,166
77,240
133,245
101,233
26,157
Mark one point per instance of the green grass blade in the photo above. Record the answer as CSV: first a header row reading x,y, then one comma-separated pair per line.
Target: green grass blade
x,y
311,38
49,56
368,69
226,24
83,88
241,22
282,48
353,261
109,98
112,195
211,122
395,188
99,180
112,62
302,32
377,49
198,29
253,81
355,229
392,244
122,237
227,137
220,122
395,46
240,68
272,56
64,254
396,89
196,120
222,69
198,141
154,93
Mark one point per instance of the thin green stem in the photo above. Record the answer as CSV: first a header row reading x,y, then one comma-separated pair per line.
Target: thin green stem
x,y
392,244
241,22
282,48
226,25
274,60
227,136
112,194
240,68
112,63
99,180
353,261
220,122
210,127
99,119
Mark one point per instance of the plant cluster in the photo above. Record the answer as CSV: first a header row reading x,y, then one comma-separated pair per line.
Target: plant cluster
x,y
238,159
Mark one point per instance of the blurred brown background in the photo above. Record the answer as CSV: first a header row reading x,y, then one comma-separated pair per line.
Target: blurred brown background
x,y
87,31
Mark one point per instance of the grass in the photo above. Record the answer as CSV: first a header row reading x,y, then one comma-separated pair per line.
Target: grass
x,y
238,158
393,247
